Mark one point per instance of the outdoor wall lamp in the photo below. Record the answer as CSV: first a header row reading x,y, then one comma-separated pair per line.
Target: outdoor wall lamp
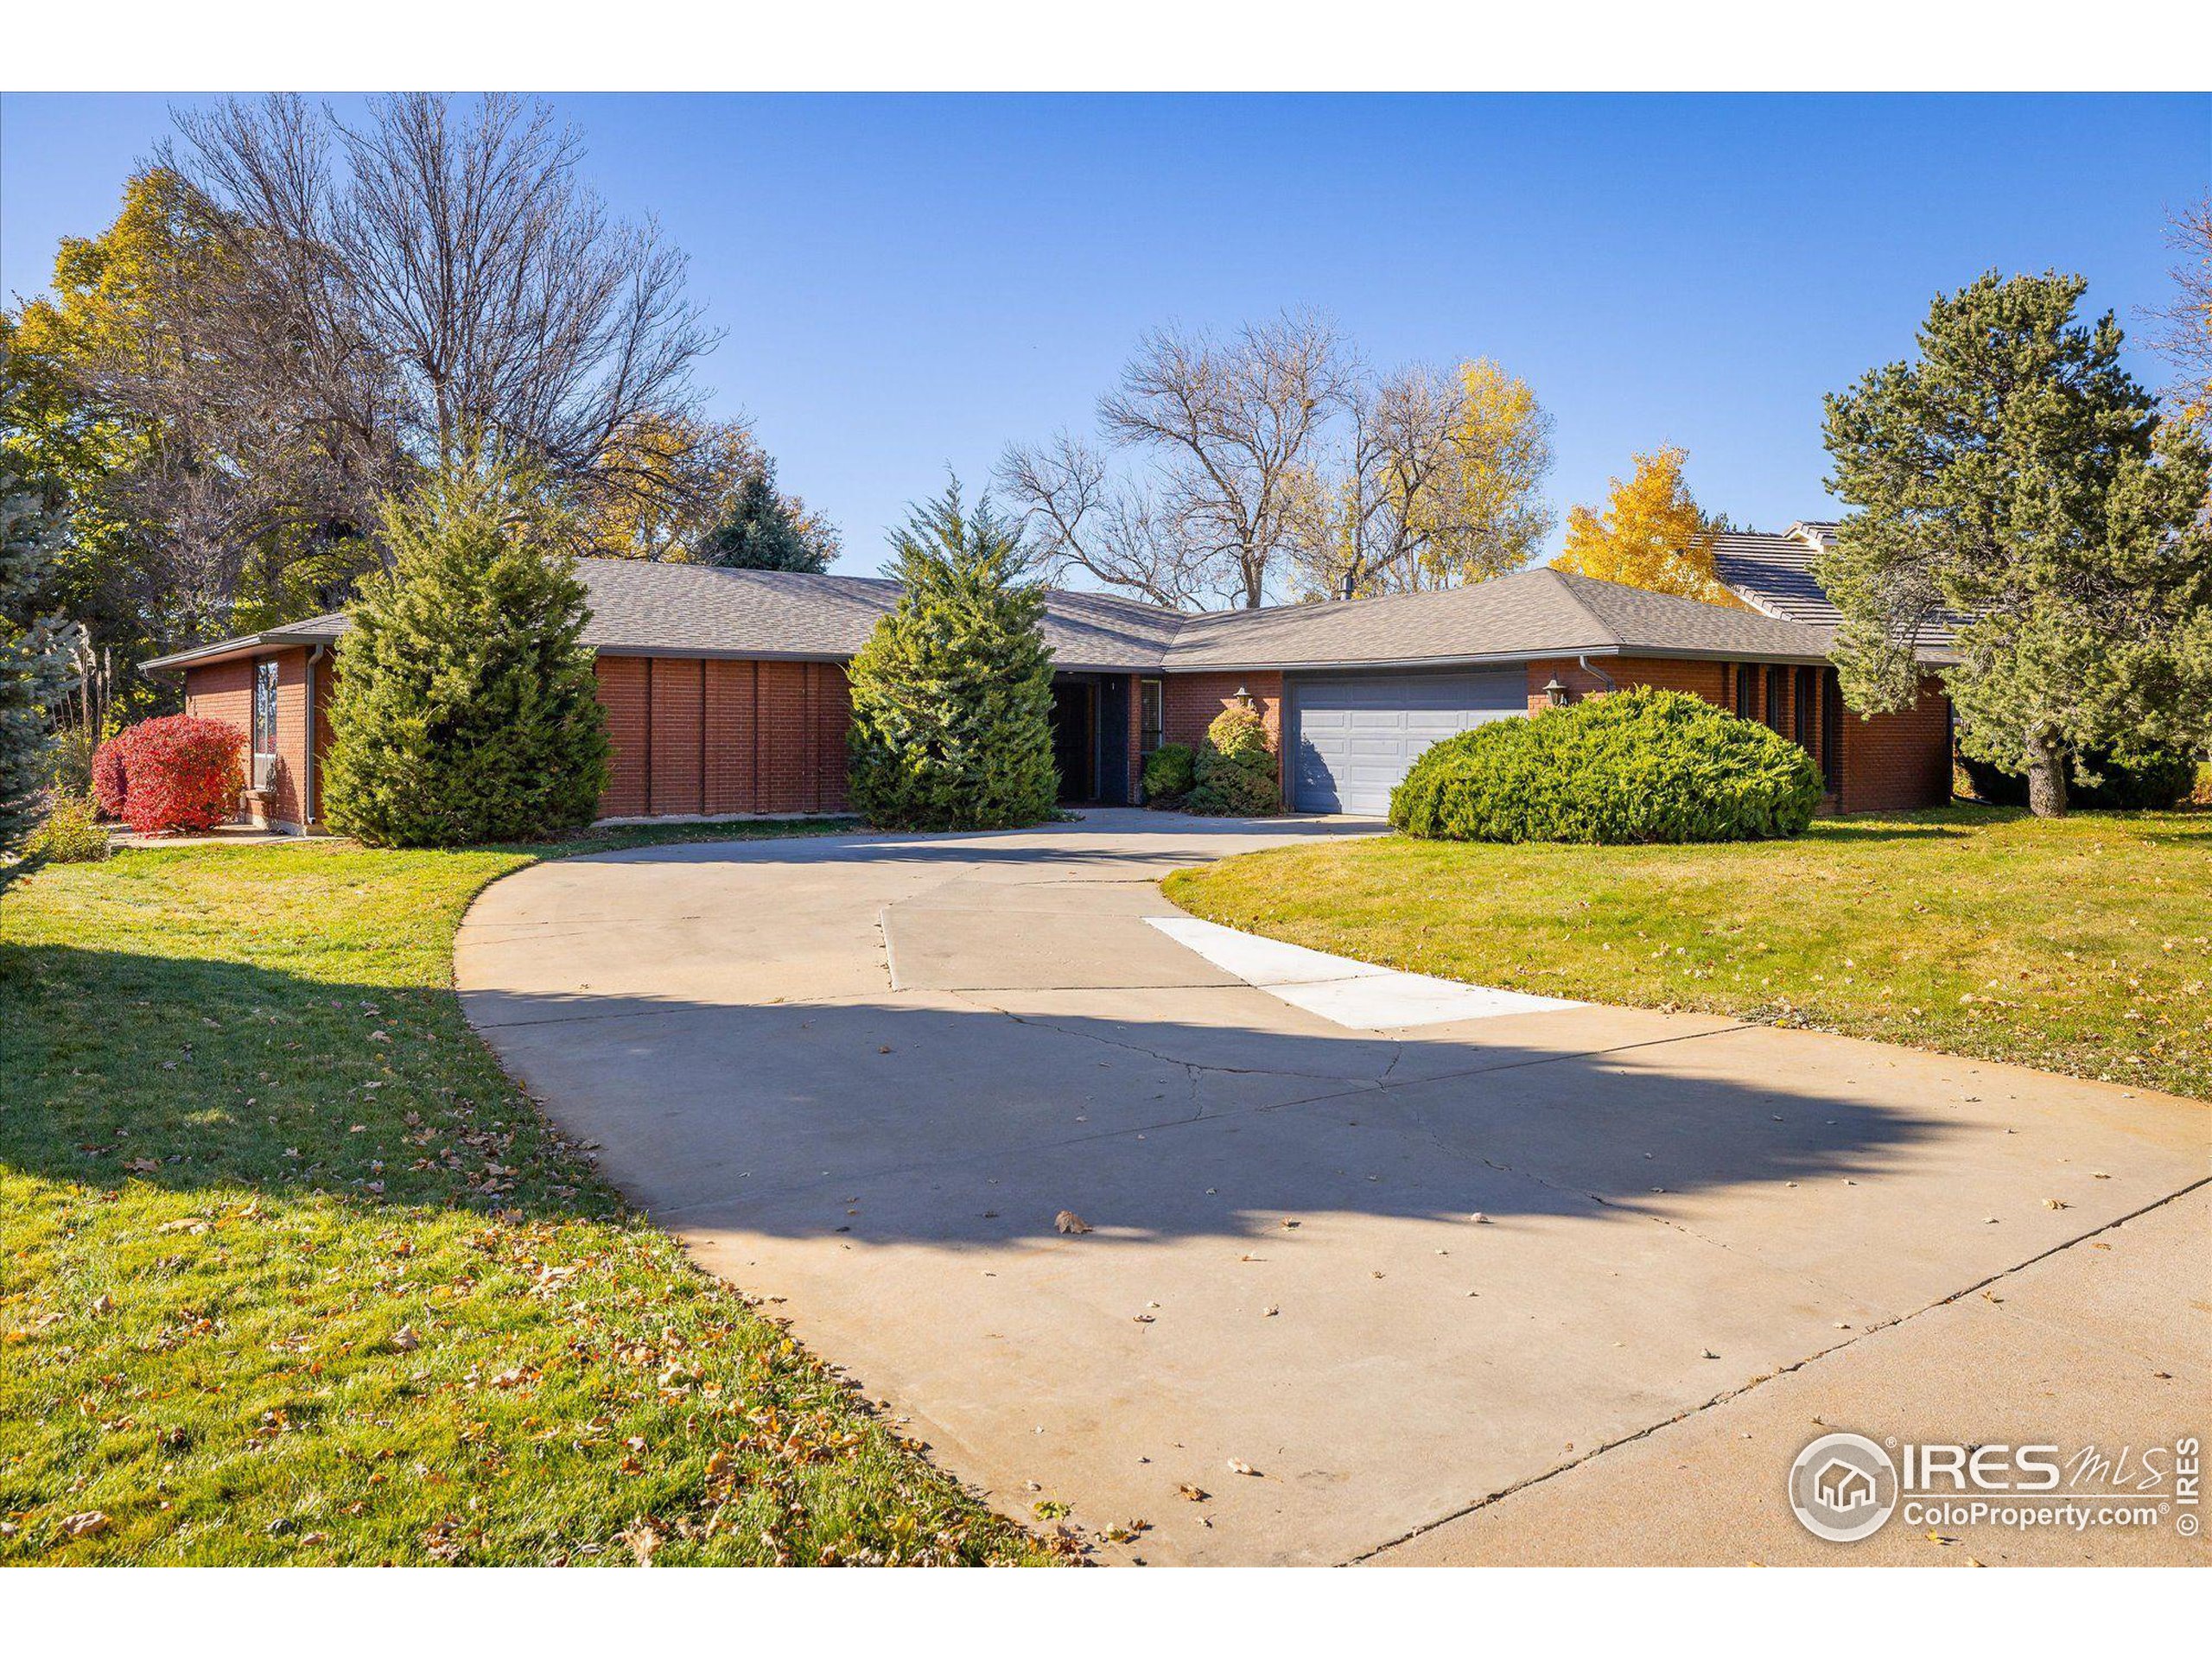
x,y
1554,693
1243,696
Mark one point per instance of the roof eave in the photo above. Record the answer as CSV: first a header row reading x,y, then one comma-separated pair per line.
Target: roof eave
x,y
224,650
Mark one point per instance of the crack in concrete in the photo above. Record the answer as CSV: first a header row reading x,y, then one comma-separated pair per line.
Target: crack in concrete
x,y
1865,1334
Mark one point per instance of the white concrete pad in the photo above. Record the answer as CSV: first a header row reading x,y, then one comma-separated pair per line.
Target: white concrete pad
x,y
1257,961
1355,995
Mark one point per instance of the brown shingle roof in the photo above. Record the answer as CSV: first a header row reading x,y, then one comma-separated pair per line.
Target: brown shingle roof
x,y
1541,612
644,607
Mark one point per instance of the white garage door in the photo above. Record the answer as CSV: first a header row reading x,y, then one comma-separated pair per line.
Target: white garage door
x,y
1354,739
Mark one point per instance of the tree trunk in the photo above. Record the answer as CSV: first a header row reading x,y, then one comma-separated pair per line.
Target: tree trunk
x,y
2046,777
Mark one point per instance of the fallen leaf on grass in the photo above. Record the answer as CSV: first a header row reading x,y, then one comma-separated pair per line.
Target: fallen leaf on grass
x,y
86,1524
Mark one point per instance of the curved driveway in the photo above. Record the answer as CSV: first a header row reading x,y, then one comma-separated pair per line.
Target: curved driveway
x,y
1395,1274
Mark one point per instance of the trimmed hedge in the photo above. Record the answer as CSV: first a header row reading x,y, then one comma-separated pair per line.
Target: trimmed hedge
x,y
2125,783
1168,774
1233,770
1636,766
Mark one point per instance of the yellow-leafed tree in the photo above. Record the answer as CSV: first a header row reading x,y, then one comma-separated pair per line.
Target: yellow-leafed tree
x,y
1650,534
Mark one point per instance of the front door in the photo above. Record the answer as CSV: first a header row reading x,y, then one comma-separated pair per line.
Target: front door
x,y
1074,714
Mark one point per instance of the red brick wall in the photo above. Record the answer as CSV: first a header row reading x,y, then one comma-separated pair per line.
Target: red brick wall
x,y
622,697
697,736
1895,763
224,691
1190,701
1891,763
1707,680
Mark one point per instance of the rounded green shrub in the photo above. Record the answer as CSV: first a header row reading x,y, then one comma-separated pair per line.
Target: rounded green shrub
x,y
1637,766
1233,772
2125,782
1168,774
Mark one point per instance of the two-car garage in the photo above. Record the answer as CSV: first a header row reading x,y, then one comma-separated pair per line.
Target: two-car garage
x,y
1353,737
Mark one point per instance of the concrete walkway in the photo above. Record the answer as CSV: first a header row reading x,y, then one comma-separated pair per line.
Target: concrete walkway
x,y
1376,1293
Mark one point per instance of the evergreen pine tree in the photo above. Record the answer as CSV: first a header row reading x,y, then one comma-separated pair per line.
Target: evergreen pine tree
x,y
34,666
465,708
761,532
2015,475
951,695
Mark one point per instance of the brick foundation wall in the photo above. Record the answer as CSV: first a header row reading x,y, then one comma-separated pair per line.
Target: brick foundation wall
x,y
694,736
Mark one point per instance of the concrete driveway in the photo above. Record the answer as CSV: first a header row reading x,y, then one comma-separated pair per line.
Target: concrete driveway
x,y
862,1074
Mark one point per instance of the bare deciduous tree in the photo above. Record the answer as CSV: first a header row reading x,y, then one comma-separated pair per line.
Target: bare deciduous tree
x,y
1439,481
1277,452
2187,338
434,279
1230,427
1077,518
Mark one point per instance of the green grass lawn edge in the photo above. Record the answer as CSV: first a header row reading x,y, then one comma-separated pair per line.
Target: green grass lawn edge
x,y
290,1271
2081,946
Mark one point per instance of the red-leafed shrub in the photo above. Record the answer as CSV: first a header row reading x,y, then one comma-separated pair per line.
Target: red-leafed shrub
x,y
180,772
110,786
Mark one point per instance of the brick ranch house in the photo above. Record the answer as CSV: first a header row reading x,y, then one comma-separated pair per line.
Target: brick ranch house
x,y
725,689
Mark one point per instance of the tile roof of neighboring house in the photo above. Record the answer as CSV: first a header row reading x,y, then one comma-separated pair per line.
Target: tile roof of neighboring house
x,y
644,607
1775,574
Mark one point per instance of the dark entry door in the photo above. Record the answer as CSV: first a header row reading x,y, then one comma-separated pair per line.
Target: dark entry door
x,y
1074,715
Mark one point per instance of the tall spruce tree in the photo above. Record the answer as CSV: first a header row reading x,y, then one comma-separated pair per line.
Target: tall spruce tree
x,y
761,532
465,709
2015,477
952,697
34,666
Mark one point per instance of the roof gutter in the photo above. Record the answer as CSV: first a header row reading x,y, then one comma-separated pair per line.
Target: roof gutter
x,y
1582,661
223,649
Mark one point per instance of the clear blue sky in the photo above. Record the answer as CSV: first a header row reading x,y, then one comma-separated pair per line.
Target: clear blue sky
x,y
912,281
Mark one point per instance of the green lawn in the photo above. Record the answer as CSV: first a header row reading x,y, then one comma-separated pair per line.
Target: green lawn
x,y
2082,946
289,1271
